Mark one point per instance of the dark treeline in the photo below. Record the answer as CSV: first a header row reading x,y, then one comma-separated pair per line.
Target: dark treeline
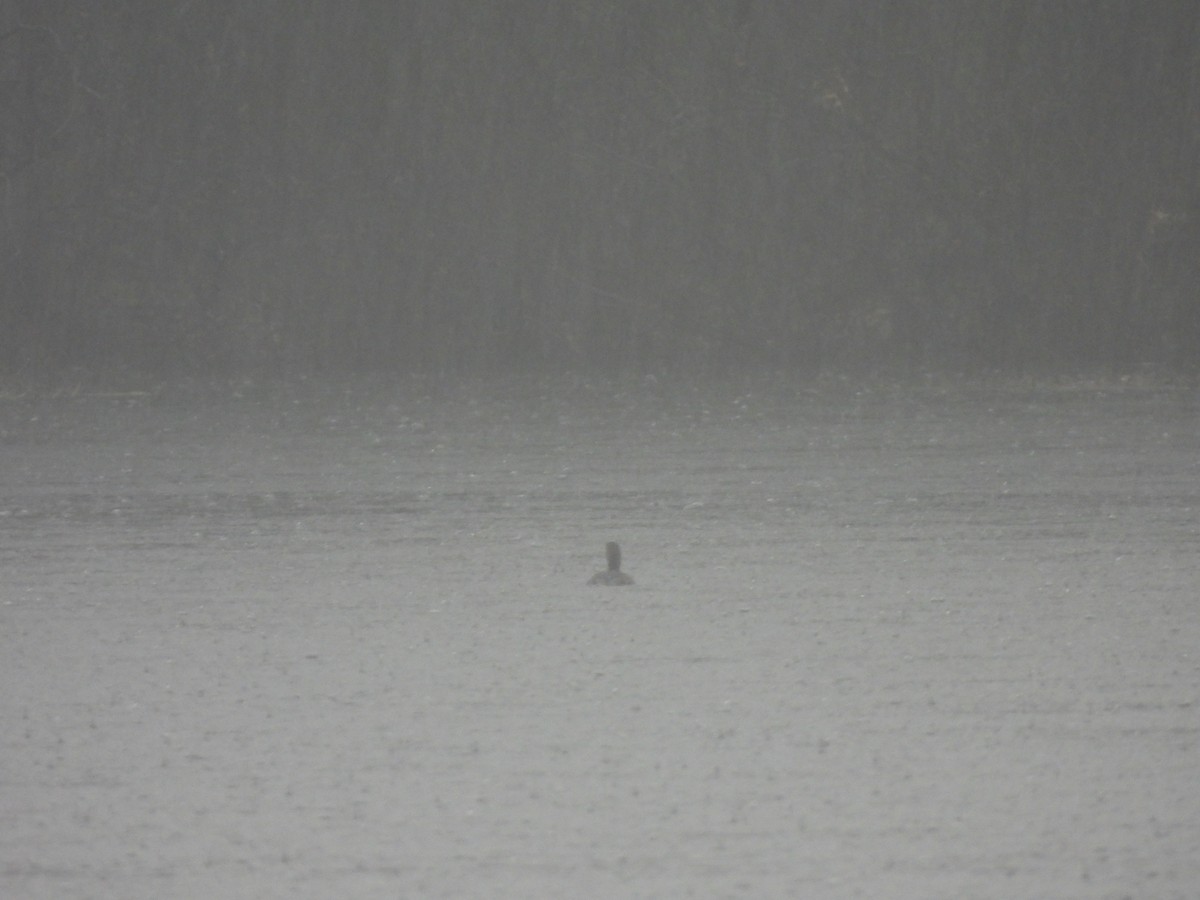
x,y
192,185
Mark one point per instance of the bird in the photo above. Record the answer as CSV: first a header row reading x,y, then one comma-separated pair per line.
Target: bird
x,y
613,575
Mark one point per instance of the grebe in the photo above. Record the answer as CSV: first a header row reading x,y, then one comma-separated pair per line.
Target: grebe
x,y
614,575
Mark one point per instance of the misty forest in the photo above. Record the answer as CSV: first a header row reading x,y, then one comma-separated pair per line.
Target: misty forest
x,y
461,187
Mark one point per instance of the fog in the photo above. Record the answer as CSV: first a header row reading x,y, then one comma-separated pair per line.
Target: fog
x,y
338,339
463,187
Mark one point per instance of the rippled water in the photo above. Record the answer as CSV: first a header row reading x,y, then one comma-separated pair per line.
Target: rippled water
x,y
295,641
